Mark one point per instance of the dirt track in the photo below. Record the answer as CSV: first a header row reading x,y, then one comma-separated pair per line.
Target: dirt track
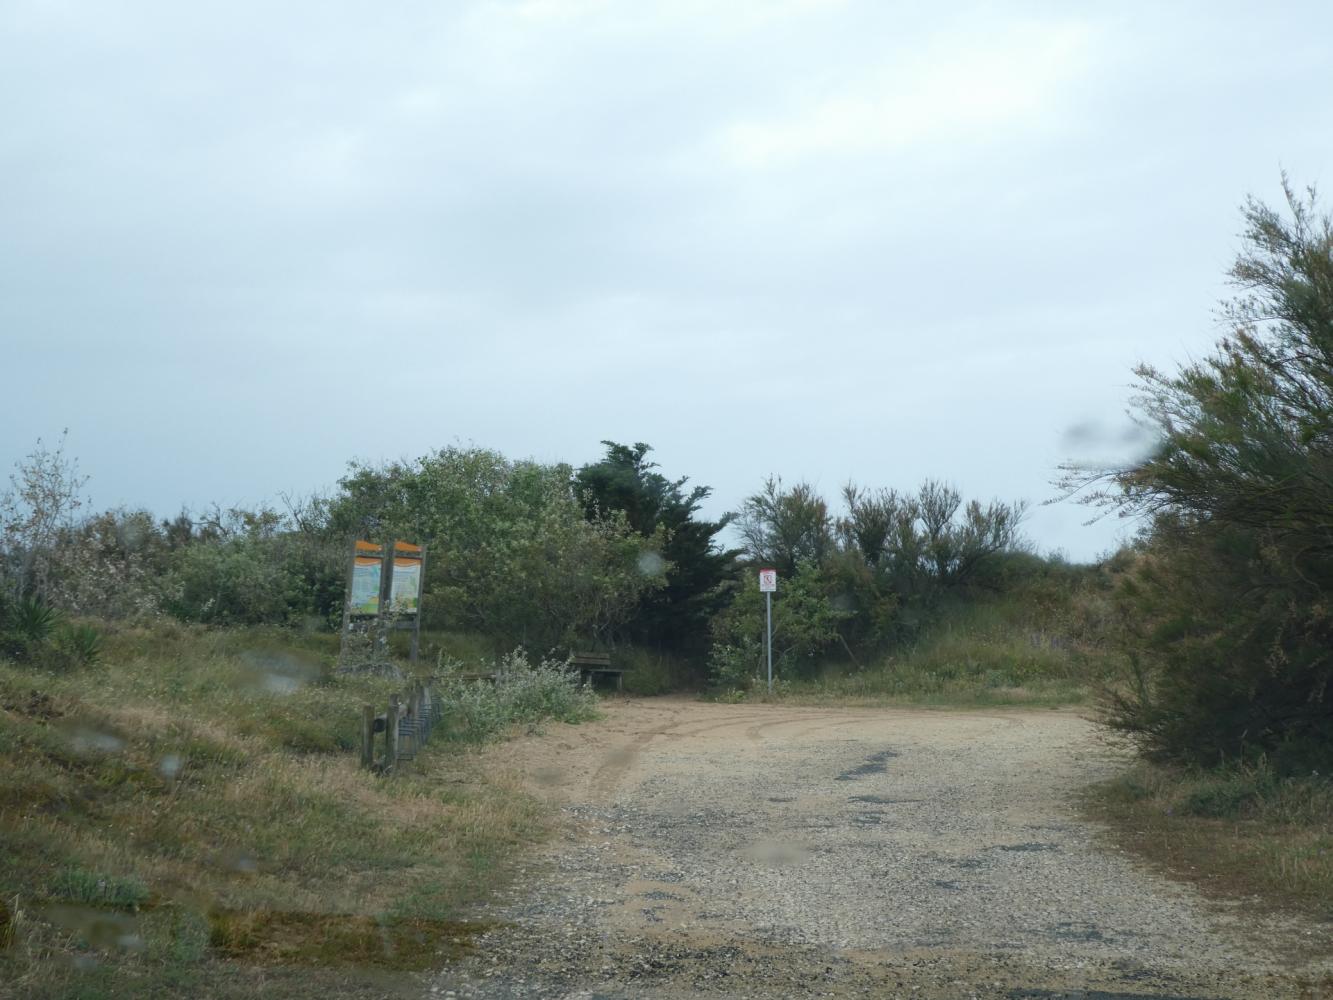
x,y
774,851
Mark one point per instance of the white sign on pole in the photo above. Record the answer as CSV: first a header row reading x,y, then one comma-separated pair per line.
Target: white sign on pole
x,y
768,585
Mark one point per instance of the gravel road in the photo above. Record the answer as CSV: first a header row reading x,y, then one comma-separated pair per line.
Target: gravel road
x,y
771,851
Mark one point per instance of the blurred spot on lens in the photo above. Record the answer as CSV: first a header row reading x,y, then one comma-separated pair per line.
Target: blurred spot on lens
x,y
619,757
98,928
777,853
239,862
548,776
280,672
651,564
91,741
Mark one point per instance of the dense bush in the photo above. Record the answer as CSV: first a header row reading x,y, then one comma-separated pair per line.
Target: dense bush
x,y
512,553
805,628
33,631
1227,609
256,579
861,584
523,693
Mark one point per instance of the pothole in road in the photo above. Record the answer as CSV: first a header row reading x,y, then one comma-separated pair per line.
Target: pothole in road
x,y
878,800
1076,932
1026,848
876,763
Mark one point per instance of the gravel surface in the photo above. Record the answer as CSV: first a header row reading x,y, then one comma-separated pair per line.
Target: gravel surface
x,y
770,851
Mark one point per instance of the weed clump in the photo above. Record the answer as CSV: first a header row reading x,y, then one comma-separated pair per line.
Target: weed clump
x,y
521,693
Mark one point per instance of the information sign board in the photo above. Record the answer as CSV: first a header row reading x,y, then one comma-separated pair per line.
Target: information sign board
x,y
367,565
405,585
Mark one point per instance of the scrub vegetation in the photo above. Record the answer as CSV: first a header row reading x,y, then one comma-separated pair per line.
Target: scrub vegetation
x,y
178,735
189,816
1223,616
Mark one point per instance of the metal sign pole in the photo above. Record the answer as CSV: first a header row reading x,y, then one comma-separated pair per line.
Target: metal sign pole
x,y
768,582
768,616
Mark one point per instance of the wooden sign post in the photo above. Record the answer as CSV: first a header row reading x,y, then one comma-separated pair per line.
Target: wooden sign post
x,y
406,577
365,570
384,585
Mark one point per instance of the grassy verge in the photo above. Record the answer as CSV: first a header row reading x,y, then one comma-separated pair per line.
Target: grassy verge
x,y
188,818
1241,832
987,654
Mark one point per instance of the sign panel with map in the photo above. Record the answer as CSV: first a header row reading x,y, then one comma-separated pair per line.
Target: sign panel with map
x,y
405,587
367,565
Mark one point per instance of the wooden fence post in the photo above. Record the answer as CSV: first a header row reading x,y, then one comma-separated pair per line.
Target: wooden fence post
x,y
411,713
391,735
418,708
367,735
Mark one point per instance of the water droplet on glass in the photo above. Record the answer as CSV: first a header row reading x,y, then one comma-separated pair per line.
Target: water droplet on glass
x,y
651,564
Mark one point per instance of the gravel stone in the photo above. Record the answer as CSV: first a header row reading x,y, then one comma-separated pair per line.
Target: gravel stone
x,y
711,850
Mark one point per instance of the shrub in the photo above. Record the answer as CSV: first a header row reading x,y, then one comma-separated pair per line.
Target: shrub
x,y
805,627
29,622
735,666
524,693
78,645
1226,610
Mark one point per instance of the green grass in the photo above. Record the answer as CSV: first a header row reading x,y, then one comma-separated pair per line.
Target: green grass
x,y
188,817
989,653
1240,831
650,672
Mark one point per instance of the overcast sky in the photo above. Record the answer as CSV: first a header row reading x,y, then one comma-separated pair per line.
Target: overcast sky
x,y
243,243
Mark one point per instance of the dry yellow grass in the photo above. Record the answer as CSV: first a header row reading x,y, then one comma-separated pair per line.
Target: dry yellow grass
x,y
160,829
1240,833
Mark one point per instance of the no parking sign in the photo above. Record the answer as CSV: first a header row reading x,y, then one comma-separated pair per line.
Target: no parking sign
x,y
768,586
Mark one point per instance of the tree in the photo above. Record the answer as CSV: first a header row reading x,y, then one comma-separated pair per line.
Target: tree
x,y
784,527
677,614
887,560
43,497
1233,653
511,553
805,628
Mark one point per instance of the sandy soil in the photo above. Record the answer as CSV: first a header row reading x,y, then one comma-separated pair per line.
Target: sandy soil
x,y
772,851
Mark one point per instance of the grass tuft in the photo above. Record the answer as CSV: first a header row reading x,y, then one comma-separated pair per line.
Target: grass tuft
x,y
1240,831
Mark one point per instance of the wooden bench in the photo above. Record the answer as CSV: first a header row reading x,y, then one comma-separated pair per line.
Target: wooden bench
x,y
591,665
492,676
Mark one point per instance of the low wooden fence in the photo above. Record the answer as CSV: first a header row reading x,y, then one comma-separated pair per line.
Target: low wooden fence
x,y
406,726
414,712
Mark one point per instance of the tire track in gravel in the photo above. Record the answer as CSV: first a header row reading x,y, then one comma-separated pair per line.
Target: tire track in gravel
x,y
767,851
620,759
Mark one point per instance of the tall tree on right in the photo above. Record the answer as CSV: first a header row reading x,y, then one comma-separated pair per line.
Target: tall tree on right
x,y
1229,608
